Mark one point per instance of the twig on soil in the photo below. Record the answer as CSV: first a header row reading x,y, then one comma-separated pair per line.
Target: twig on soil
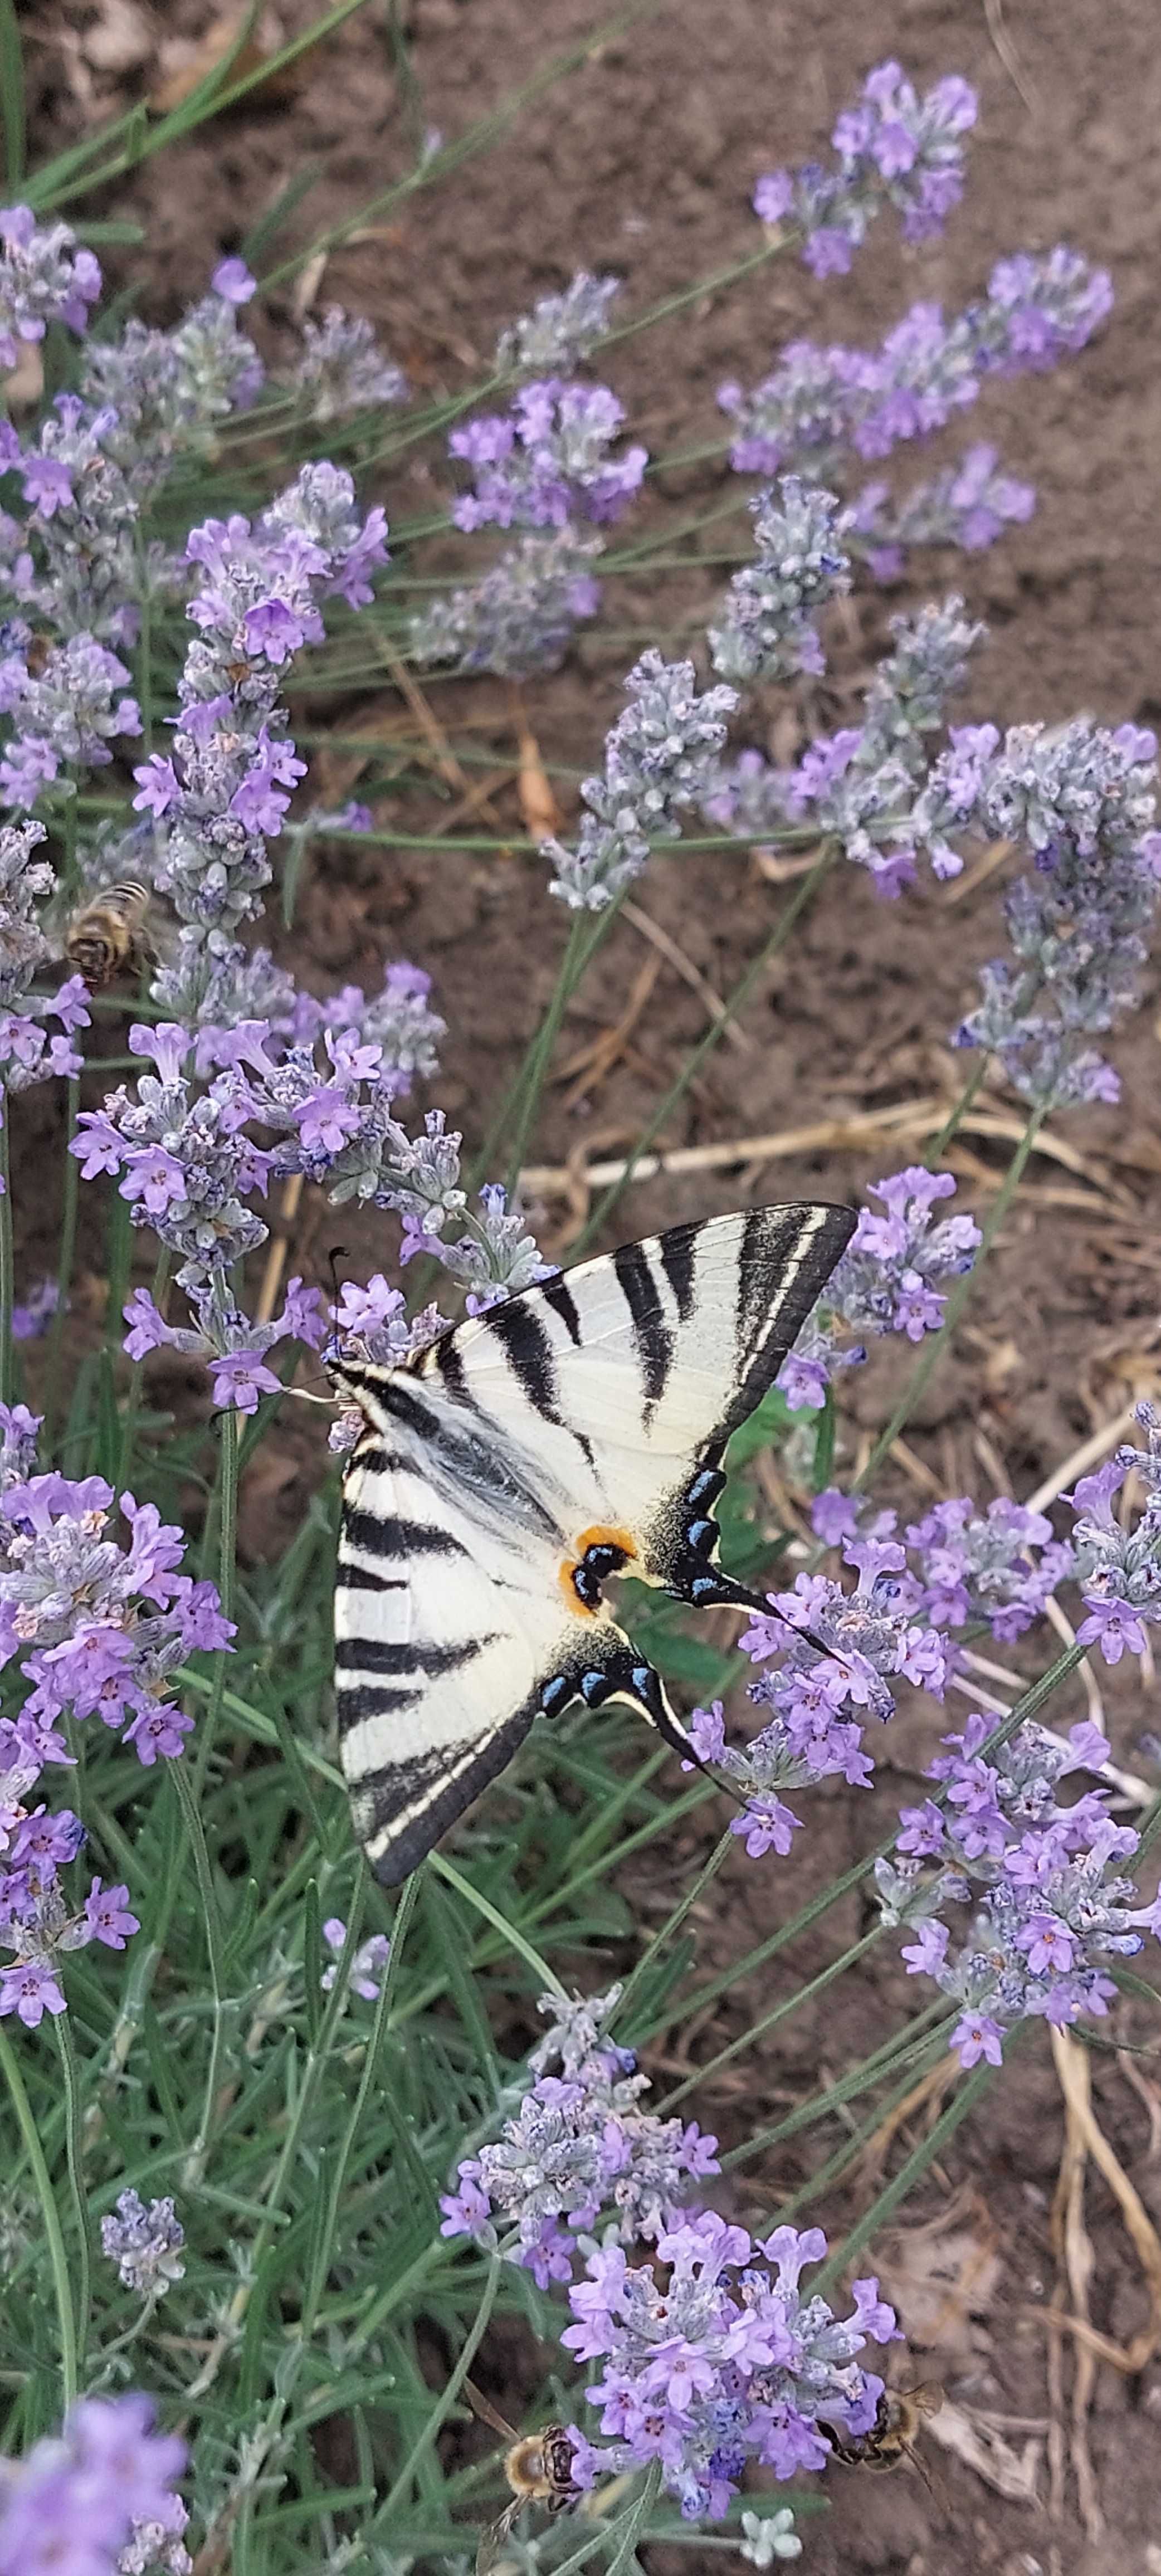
x,y
445,759
930,2090
1009,57
691,974
593,1062
1080,1460
901,1119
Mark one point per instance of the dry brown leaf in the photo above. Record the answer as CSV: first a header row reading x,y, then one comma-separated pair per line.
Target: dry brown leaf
x,y
943,2274
980,2447
187,66
538,805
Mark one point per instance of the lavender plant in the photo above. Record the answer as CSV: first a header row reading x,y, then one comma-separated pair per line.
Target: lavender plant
x,y
258,2123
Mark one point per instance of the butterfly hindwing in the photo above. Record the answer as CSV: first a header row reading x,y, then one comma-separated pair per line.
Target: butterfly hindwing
x,y
572,1432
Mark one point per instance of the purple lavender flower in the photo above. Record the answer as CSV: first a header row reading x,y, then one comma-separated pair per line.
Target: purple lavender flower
x,y
1054,1904
892,147
768,631
44,277
24,883
841,1651
521,616
719,2359
547,462
97,1630
367,1966
968,505
982,1566
30,1320
145,2244
232,280
560,328
859,787
819,403
71,2507
68,712
1118,1566
1082,801
885,1282
342,370
657,758
578,2144
231,763
156,2546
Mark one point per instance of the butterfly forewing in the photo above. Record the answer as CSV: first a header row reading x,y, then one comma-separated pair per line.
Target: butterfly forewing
x,y
575,1426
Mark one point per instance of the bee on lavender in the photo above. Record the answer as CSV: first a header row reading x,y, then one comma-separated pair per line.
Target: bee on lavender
x,y
891,2439
538,2468
112,934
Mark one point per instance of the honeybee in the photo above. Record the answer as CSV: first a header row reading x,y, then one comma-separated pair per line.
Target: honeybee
x,y
109,935
538,2467
899,2418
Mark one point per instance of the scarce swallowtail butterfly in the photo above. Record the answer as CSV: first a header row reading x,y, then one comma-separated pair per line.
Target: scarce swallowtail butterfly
x,y
572,1433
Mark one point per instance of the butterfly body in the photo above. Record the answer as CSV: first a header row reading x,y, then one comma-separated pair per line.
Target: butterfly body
x,y
502,1478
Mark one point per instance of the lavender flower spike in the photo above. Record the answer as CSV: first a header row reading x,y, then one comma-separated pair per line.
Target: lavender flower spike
x,y
520,617
577,2144
145,2244
658,759
768,631
891,146
719,2358
560,328
75,2502
44,278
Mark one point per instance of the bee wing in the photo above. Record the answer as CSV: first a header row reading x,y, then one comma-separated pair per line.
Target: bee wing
x,y
489,2414
928,2398
492,2540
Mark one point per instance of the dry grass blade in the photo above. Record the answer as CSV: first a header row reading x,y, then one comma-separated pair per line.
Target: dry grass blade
x,y
553,1179
279,1247
927,2093
1080,1460
433,732
1074,2070
593,1063
983,868
901,1120
691,974
783,871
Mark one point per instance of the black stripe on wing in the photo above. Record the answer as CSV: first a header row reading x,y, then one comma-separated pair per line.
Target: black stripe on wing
x,y
787,1255
557,1294
399,1811
677,1251
652,1333
386,1535
529,1353
383,1655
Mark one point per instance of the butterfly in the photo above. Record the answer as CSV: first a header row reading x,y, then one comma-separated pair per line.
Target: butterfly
x,y
572,1433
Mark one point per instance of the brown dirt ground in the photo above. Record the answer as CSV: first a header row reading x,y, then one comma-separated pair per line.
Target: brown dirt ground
x,y
642,163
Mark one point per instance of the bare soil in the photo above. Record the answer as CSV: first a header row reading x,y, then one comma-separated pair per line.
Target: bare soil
x,y
642,163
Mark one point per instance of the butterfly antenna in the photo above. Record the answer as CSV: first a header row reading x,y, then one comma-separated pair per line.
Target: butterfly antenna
x,y
337,1253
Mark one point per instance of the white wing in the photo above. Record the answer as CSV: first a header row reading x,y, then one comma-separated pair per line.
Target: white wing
x,y
573,1431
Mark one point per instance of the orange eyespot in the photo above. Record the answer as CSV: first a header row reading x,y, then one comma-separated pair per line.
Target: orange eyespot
x,y
602,1535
